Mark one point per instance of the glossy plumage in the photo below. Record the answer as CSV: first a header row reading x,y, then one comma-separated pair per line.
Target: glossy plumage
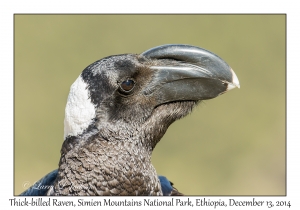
x,y
41,187
119,108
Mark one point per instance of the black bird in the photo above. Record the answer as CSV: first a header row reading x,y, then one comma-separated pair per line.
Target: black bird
x,y
119,108
41,187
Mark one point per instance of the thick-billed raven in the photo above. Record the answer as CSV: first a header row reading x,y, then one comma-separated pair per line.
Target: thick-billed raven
x,y
119,108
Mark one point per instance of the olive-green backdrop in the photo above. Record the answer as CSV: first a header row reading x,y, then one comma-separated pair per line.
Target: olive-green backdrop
x,y
231,145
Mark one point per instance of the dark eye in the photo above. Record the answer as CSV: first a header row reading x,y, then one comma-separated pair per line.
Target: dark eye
x,y
127,85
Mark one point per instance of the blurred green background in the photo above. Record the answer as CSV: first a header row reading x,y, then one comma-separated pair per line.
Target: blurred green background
x,y
231,145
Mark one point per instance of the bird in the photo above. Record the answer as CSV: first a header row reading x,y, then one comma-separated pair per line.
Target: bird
x,y
41,187
119,108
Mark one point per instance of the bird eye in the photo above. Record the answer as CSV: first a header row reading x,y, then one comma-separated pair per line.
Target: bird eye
x,y
127,85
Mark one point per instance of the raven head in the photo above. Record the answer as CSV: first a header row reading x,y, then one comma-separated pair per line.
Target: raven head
x,y
121,106
132,96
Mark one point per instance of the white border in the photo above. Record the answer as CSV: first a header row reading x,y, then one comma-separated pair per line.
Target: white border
x,y
8,8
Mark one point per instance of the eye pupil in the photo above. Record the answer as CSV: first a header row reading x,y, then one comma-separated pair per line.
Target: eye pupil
x,y
127,85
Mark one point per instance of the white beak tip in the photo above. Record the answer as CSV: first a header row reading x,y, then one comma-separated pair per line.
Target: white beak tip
x,y
235,82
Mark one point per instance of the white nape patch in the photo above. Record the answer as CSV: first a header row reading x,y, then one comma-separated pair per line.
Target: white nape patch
x,y
79,110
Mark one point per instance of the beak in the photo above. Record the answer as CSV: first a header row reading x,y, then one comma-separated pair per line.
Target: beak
x,y
187,72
